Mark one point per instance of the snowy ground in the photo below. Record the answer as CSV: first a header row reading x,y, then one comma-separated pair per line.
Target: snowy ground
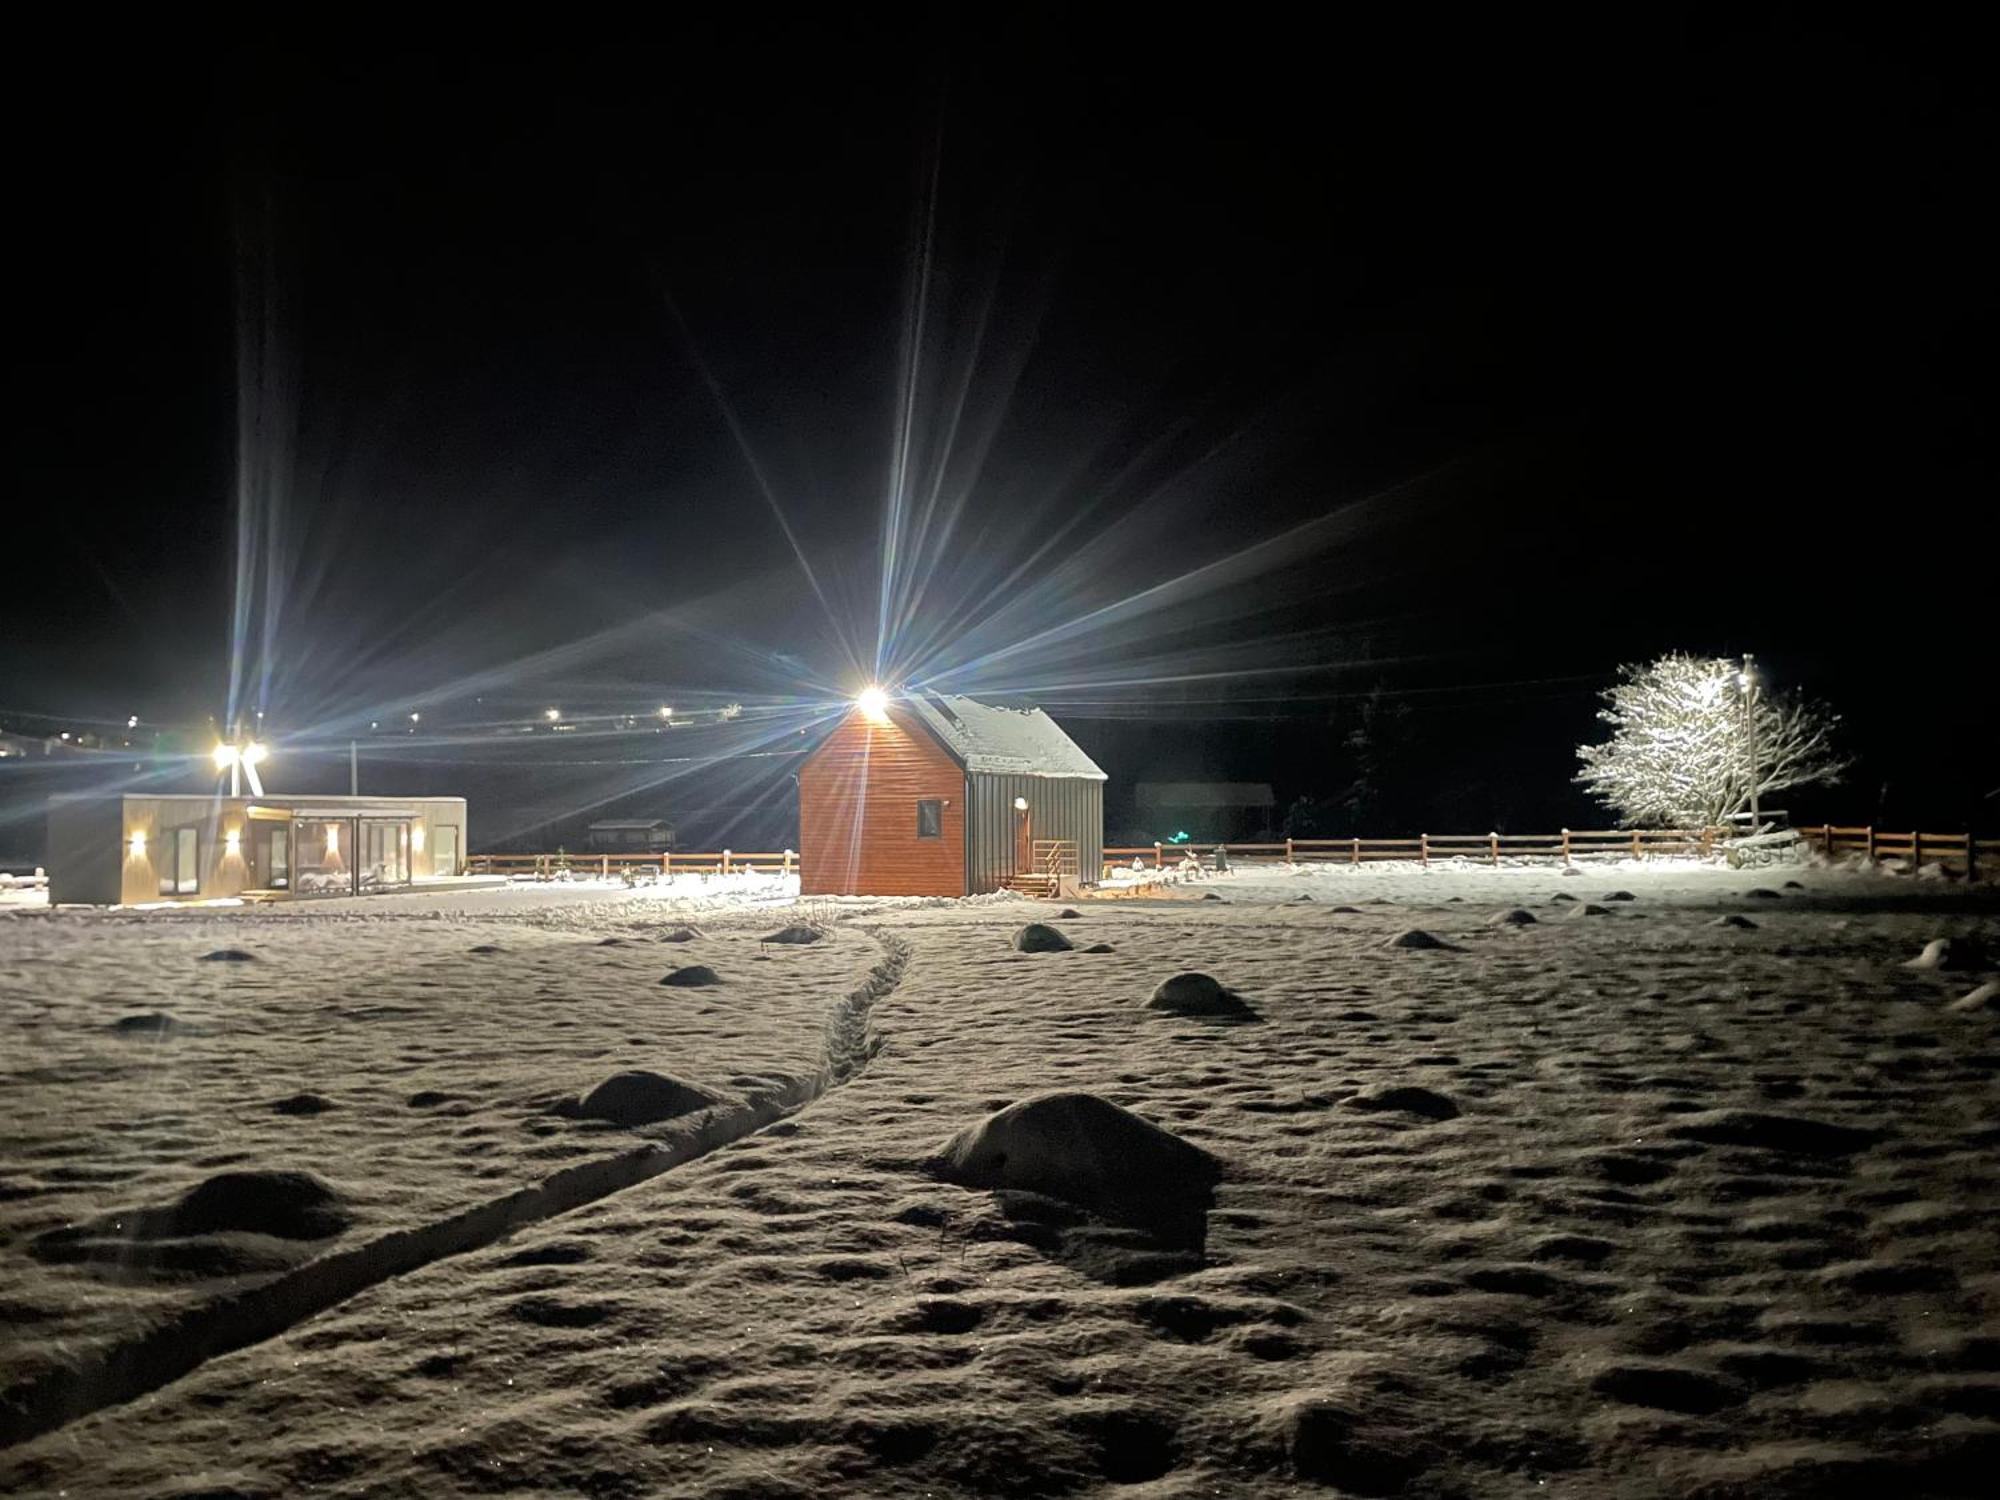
x,y
1664,1207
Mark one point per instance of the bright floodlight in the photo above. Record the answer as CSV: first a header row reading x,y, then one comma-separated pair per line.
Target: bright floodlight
x,y
225,757
552,714
874,703
1020,804
253,753
665,712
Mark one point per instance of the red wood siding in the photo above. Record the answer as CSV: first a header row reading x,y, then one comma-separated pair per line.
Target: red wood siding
x,y
858,796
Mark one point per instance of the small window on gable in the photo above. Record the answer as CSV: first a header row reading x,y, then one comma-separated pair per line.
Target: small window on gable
x,y
930,820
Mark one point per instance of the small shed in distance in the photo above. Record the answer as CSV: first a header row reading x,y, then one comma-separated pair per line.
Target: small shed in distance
x,y
933,795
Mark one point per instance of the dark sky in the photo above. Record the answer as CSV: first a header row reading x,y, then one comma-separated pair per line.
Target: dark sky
x,y
1664,334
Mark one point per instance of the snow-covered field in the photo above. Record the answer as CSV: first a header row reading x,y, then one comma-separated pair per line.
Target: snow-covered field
x,y
1627,1200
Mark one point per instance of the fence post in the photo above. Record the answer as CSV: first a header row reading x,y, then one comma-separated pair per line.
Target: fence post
x,y
1424,849
1870,832
1635,843
1565,848
1356,861
1288,852
1916,852
1495,840
604,869
1707,842
1826,842
1159,856
1971,857
666,864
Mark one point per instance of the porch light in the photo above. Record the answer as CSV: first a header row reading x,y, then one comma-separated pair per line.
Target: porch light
x,y
874,703
1020,804
138,843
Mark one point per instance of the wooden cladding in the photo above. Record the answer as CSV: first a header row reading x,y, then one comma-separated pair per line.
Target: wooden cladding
x,y
858,819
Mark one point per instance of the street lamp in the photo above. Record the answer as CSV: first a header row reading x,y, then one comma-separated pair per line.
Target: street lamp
x,y
874,704
240,761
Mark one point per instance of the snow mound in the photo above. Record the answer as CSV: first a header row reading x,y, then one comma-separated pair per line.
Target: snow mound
x,y
798,932
1799,1134
1986,997
1561,896
1763,893
1590,909
1067,913
1621,896
642,1098
1039,937
302,1104
691,977
688,935
1515,918
229,956
148,1023
1950,955
284,1205
1084,1150
1416,937
1733,919
1195,994
1406,1098
1099,948
1338,1441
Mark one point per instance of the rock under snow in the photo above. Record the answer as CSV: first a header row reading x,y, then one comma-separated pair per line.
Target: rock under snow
x,y
679,935
798,932
1515,918
691,977
1039,937
1082,1149
1194,994
643,1098
1416,937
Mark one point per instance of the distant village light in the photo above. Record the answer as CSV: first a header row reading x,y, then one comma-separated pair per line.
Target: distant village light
x,y
665,712
552,715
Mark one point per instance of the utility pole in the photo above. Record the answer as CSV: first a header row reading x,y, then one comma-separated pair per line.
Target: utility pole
x,y
353,770
1749,682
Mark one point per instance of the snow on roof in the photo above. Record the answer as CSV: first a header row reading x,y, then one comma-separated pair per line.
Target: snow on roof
x,y
1205,794
1003,741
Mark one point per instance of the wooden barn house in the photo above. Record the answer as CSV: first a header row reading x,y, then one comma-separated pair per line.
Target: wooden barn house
x,y
928,795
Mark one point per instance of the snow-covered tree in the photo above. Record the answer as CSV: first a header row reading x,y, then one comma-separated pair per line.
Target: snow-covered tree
x,y
1680,751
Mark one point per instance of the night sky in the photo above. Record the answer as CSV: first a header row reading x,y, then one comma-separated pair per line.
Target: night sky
x,y
1537,351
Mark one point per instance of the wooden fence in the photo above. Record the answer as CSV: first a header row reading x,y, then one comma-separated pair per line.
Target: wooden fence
x,y
663,866
1567,845
1965,852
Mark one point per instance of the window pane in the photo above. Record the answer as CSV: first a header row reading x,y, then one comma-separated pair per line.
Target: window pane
x,y
930,820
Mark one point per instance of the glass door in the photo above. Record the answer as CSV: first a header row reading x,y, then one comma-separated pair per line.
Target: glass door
x,y
274,856
385,853
319,856
444,849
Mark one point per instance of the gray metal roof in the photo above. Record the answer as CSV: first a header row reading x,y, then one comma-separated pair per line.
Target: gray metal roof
x,y
1002,741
